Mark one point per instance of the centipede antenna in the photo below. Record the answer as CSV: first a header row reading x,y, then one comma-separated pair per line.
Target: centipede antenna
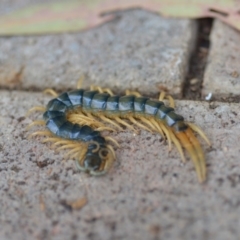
x,y
199,131
97,146
35,123
111,122
119,120
112,140
134,121
35,109
51,92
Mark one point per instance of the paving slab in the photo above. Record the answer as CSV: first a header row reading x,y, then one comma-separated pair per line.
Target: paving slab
x,y
222,75
148,194
138,50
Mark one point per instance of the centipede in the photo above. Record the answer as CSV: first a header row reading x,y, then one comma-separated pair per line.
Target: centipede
x,y
75,120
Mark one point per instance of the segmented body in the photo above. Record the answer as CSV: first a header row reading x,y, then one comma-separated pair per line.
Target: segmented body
x,y
113,107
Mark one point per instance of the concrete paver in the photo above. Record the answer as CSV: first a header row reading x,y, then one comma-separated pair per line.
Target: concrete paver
x,y
139,50
148,194
222,75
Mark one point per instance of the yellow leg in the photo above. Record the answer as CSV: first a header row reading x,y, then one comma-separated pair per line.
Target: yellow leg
x,y
80,160
67,146
112,151
84,120
36,108
62,142
51,92
111,122
41,133
146,121
135,93
161,96
79,82
134,121
75,155
171,101
119,120
51,139
112,140
71,153
100,129
178,145
200,132
101,90
36,123
166,132
158,127
169,97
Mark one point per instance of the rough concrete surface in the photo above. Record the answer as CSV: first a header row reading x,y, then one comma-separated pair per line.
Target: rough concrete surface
x,y
222,75
139,50
148,194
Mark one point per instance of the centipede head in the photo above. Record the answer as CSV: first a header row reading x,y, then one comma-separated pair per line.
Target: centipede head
x,y
96,160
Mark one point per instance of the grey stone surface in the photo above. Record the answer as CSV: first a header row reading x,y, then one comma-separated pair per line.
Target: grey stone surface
x,y
138,50
148,194
222,75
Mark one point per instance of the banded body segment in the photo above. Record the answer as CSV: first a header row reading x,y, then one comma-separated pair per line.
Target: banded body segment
x,y
87,99
99,101
76,97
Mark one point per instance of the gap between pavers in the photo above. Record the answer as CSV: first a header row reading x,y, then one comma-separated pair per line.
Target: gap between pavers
x,y
139,50
222,74
148,194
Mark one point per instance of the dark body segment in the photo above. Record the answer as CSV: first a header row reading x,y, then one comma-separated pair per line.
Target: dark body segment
x,y
99,101
56,105
126,104
151,107
87,98
112,104
76,97
139,104
65,99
